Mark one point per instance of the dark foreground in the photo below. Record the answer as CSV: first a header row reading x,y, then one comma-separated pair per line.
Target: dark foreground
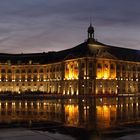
x,y
57,131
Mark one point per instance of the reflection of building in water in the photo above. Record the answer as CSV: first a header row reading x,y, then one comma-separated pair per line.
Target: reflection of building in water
x,y
106,114
79,70
78,113
71,112
17,111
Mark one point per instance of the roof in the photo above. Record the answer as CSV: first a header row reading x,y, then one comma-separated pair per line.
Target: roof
x,y
87,48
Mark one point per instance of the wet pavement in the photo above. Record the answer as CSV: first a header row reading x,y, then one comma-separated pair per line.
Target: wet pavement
x,y
25,134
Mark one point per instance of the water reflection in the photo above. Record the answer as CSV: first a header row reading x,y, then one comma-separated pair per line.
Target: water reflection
x,y
73,112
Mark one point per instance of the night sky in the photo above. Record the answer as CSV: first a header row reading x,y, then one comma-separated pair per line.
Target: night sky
x,y
49,25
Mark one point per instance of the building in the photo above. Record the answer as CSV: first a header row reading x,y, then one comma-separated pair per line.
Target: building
x,y
89,68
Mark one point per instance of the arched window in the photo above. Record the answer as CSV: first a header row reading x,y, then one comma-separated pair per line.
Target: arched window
x,y
3,71
112,66
99,66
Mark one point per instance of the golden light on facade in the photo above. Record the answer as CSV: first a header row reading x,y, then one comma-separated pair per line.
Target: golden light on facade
x,y
6,104
19,104
105,70
72,77
77,93
25,104
31,104
71,70
13,103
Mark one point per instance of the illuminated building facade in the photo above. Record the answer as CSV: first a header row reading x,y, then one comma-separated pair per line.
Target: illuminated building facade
x,y
89,68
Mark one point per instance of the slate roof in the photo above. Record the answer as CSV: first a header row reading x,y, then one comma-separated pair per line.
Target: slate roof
x,y
88,48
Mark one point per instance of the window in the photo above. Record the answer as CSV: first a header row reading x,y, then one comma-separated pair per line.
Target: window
x,y
112,66
29,70
90,65
47,70
82,65
35,78
3,71
106,66
9,78
18,62
23,70
123,67
17,78
41,71
9,71
118,67
29,78
138,68
99,66
8,62
23,78
30,62
35,70
134,68
53,69
57,69
41,78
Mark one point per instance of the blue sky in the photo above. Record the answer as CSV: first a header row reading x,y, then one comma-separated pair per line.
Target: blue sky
x,y
50,25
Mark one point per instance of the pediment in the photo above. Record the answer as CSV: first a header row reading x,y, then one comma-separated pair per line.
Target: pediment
x,y
69,56
106,54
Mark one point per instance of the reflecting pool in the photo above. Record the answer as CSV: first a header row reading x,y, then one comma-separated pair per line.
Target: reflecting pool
x,y
87,113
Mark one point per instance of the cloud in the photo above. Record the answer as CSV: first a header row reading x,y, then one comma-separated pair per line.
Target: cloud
x,y
43,25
